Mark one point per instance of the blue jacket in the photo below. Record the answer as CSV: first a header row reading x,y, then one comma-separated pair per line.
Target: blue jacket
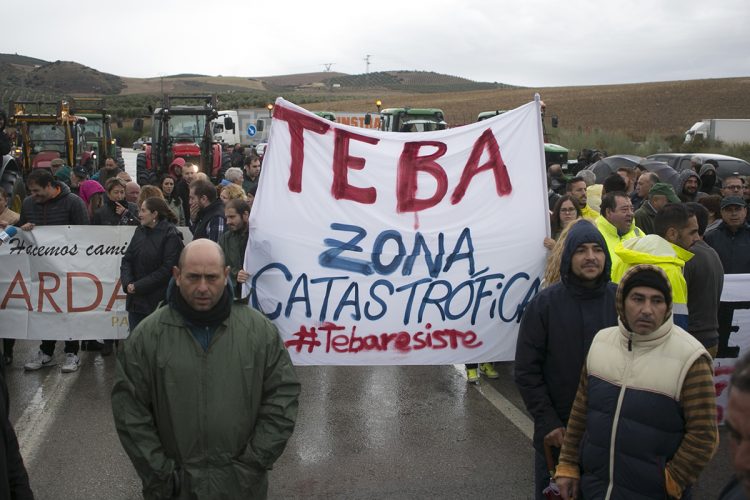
x,y
556,331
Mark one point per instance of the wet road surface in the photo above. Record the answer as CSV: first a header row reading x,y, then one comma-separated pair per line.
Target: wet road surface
x,y
362,432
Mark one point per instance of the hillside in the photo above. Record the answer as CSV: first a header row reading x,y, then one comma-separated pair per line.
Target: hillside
x,y
664,108
636,109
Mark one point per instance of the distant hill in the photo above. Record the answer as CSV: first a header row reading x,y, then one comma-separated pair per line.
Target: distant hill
x,y
21,60
636,109
27,75
30,78
412,81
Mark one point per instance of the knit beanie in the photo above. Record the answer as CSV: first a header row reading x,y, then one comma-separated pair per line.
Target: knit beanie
x,y
651,279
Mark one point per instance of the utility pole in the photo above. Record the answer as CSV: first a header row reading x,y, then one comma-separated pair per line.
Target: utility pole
x,y
367,70
327,66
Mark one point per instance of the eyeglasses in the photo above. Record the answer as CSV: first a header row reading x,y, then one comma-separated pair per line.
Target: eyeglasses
x,y
734,188
568,210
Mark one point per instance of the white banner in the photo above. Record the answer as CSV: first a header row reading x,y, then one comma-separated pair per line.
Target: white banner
x,y
736,289
370,248
63,283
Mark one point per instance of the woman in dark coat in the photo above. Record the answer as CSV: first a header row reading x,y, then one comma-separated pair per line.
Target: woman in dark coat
x,y
146,267
116,211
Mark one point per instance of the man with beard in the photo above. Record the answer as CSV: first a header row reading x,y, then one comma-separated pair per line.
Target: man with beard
x,y
209,210
556,331
643,423
234,243
577,188
689,185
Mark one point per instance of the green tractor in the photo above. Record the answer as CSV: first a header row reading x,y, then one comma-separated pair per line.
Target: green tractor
x,y
97,130
553,153
409,119
326,114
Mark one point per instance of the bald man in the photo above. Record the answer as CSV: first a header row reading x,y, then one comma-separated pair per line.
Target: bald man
x,y
205,395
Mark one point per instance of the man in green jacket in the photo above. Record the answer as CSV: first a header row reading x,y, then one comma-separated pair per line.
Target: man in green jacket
x,y
205,394
234,241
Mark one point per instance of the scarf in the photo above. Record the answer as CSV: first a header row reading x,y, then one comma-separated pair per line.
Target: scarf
x,y
212,317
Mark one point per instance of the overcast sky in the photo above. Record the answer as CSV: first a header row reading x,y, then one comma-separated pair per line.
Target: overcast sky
x,y
521,42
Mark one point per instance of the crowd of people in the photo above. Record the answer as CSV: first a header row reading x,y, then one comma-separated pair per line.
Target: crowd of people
x,y
178,297
614,355
613,360
61,195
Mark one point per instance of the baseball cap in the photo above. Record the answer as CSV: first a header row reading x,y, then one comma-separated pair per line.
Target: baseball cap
x,y
666,190
733,200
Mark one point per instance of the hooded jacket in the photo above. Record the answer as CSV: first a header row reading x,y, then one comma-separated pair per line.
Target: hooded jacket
x,y
682,179
655,250
643,423
62,210
556,331
204,423
708,181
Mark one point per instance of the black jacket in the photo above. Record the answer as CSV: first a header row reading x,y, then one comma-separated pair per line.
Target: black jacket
x,y
210,222
148,263
556,331
14,481
62,210
107,216
733,248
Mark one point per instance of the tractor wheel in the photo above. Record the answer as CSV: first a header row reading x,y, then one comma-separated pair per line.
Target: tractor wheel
x,y
13,184
143,175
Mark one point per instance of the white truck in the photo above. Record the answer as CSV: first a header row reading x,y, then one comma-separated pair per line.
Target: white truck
x,y
251,126
718,129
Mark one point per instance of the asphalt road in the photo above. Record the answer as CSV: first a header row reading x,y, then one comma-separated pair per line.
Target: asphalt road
x,y
362,432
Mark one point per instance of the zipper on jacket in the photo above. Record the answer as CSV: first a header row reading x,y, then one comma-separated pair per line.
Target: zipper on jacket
x,y
616,418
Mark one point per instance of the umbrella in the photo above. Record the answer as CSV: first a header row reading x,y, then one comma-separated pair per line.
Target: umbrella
x,y
663,171
551,492
610,164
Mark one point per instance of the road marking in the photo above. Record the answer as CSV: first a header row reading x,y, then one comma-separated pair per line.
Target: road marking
x,y
32,426
504,405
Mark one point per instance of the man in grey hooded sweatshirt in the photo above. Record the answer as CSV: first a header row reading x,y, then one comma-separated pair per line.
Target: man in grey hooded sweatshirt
x,y
688,186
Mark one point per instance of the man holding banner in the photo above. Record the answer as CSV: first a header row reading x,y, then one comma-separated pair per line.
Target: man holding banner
x,y
50,203
377,248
